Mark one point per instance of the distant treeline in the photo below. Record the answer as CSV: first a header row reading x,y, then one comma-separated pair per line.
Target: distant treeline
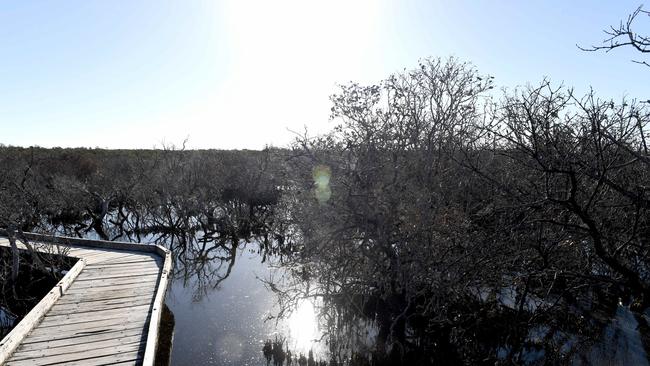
x,y
117,193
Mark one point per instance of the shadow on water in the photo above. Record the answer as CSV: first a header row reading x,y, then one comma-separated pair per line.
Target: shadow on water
x,y
166,337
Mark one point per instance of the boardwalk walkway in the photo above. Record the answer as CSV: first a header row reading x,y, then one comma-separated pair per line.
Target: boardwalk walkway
x,y
108,314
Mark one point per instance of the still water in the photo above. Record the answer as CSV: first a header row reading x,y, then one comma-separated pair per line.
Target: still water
x,y
228,325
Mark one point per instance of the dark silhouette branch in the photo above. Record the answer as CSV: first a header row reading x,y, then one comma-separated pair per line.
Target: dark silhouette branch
x,y
625,36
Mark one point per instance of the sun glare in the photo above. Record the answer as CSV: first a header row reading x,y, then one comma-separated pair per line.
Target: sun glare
x,y
285,59
303,328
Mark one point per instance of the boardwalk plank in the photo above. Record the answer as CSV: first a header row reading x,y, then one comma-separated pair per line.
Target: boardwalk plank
x,y
84,355
111,258
122,267
78,290
103,317
127,258
84,327
107,285
124,307
107,275
86,341
67,339
127,261
106,295
75,319
76,308
25,353
88,329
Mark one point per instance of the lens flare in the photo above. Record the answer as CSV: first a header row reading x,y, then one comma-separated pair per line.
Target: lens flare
x,y
322,175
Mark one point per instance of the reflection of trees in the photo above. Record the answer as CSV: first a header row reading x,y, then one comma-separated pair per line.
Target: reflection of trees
x,y
199,203
206,253
205,264
204,241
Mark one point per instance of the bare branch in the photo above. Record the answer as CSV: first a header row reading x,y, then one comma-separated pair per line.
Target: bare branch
x,y
625,36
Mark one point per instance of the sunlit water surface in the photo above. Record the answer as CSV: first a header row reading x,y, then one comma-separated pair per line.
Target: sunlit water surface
x,y
228,327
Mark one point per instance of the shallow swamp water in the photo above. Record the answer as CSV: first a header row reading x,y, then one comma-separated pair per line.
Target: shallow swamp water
x,y
221,308
221,311
228,324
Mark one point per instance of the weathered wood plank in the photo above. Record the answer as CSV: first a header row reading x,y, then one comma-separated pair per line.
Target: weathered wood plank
x,y
115,267
89,287
75,319
122,267
77,290
11,341
87,354
106,275
133,256
107,257
77,308
117,359
104,281
85,309
83,331
26,353
63,339
85,341
91,243
83,327
108,314
128,261
107,295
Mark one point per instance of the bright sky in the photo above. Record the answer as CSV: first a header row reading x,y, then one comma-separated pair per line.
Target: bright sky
x,y
241,74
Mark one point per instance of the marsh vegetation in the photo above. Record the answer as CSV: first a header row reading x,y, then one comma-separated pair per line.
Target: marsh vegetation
x,y
440,222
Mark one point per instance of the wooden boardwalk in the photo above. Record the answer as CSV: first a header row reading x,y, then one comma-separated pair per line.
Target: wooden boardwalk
x,y
108,314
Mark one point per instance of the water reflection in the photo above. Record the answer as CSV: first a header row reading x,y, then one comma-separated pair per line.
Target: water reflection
x,y
202,266
303,329
222,310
